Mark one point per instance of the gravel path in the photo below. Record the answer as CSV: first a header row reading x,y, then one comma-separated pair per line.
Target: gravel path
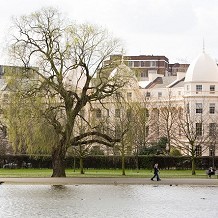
x,y
109,181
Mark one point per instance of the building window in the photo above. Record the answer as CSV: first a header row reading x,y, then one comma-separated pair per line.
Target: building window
x,y
129,114
146,112
198,150
136,63
199,108
212,129
142,63
212,88
129,95
212,108
152,63
212,151
187,87
179,92
144,74
146,131
159,94
198,88
199,129
98,113
130,63
117,112
148,94
187,108
108,112
117,132
5,97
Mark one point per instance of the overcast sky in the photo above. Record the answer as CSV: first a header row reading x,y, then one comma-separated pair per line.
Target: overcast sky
x,y
174,28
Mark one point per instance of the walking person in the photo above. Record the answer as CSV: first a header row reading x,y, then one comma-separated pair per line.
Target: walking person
x,y
210,172
156,173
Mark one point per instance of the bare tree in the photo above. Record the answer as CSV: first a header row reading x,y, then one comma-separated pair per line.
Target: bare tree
x,y
167,118
68,57
141,133
195,132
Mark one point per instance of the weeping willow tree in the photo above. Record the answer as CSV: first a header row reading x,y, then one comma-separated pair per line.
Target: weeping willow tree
x,y
28,130
68,57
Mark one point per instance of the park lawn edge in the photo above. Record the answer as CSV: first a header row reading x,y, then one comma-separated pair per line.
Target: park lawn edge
x,y
94,173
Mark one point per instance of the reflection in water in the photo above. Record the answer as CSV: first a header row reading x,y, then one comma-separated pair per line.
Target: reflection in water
x,y
99,201
58,187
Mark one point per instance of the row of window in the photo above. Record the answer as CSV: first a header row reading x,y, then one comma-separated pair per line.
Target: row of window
x,y
198,150
199,108
98,113
199,129
142,63
159,94
199,88
212,129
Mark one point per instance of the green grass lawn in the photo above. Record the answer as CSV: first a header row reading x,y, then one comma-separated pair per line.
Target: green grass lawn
x,y
101,173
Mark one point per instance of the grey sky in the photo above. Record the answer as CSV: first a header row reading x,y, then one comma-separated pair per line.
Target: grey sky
x,y
174,28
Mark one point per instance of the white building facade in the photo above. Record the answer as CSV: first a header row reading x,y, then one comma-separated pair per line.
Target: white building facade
x,y
194,97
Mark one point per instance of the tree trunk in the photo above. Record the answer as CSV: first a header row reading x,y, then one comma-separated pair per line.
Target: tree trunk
x,y
193,166
123,162
58,163
81,165
74,163
137,162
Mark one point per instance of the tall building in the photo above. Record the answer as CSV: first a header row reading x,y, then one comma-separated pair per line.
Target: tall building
x,y
142,65
177,67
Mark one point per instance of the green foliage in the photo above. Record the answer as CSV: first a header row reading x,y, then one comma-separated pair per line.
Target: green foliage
x,y
162,142
156,148
28,131
113,162
175,152
96,150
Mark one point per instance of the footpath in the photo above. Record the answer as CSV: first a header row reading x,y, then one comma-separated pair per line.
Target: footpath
x,y
109,181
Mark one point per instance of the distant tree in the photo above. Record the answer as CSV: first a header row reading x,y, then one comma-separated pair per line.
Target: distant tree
x,y
121,126
175,152
96,150
167,118
194,132
155,148
140,133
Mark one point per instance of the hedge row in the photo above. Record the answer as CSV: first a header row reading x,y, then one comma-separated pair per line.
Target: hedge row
x,y
147,162
113,162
